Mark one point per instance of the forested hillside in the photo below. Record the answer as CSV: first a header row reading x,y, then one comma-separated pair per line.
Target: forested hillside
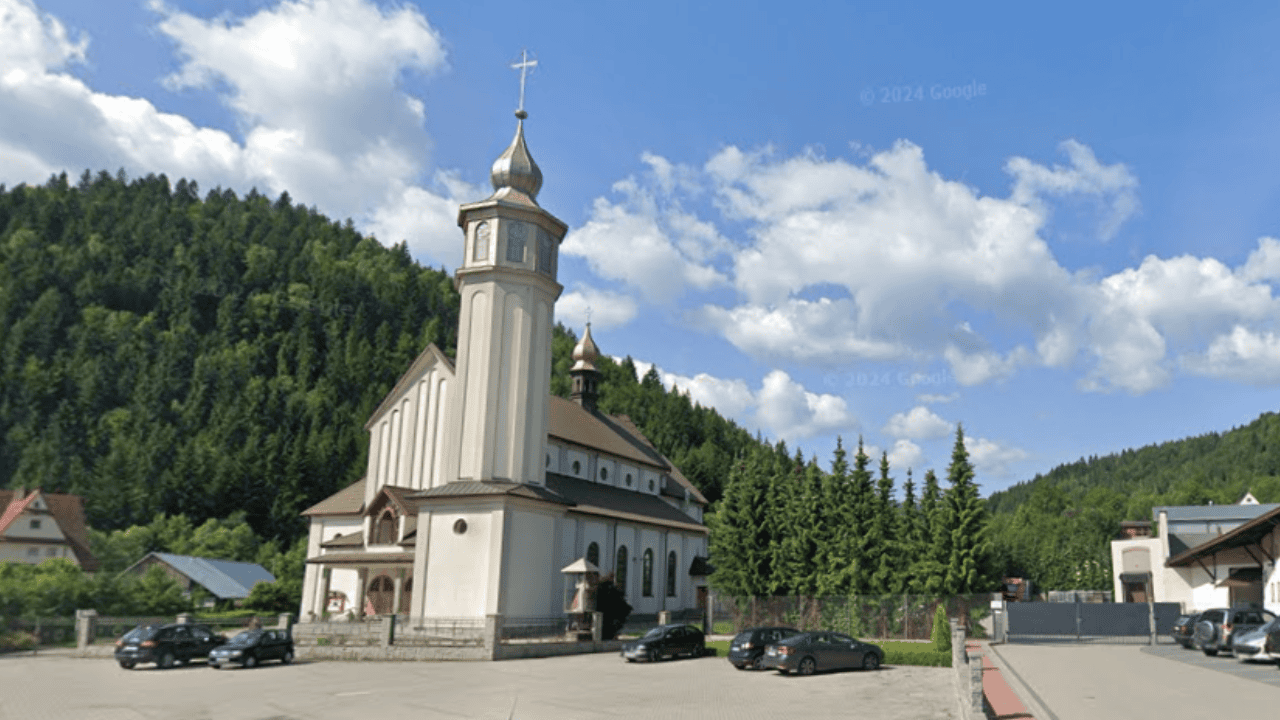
x,y
1056,528
168,353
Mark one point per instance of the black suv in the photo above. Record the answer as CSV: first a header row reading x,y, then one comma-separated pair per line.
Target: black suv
x,y
1218,626
166,644
747,647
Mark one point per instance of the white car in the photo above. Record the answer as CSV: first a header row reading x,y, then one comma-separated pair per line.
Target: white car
x,y
1251,645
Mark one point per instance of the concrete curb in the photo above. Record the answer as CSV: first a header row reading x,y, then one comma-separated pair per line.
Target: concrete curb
x,y
1028,696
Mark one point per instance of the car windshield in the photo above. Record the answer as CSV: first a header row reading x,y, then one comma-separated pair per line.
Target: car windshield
x,y
654,633
142,632
248,637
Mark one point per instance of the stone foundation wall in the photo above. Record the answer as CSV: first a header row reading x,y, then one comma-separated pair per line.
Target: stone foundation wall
x,y
967,668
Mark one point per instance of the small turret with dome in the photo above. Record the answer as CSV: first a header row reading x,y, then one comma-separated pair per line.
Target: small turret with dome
x,y
586,378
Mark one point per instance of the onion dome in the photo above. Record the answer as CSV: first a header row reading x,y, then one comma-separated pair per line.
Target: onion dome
x,y
585,353
515,168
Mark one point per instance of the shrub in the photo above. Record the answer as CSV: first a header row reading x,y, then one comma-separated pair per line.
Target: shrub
x,y
17,641
923,656
941,630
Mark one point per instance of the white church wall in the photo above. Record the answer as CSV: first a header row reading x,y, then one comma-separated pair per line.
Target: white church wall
x,y
606,472
457,584
530,571
553,457
627,475
649,481
577,464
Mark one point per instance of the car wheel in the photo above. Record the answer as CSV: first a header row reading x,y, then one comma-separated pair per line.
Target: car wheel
x,y
757,662
166,660
807,666
126,664
653,656
250,661
870,661
740,667
1209,651
288,657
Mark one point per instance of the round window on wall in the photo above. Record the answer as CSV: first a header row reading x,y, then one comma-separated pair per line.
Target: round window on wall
x,y
459,526
604,473
577,468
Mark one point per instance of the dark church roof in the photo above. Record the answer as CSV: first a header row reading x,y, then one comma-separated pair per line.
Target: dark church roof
x,y
590,498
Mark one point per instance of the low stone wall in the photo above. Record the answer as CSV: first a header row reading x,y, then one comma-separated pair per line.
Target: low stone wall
x,y
512,651
967,669
392,653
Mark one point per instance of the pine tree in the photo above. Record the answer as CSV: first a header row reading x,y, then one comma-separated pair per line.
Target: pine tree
x,y
967,517
930,573
839,567
862,499
888,577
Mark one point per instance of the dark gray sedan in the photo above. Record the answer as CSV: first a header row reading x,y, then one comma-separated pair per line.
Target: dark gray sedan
x,y
810,652
252,647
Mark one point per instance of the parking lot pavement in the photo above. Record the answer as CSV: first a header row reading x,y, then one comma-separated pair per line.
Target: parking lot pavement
x,y
47,687
1261,672
1100,682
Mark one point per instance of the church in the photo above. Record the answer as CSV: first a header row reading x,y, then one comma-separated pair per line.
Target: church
x,y
481,487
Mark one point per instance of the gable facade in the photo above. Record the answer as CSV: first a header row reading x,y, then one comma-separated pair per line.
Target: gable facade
x,y
36,526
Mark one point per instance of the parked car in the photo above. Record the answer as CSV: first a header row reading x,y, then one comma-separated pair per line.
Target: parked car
x,y
747,647
165,645
1272,644
252,647
1251,645
810,652
1216,628
1184,630
667,641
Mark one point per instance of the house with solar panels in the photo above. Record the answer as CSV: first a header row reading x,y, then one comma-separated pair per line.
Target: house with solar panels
x,y
219,581
482,489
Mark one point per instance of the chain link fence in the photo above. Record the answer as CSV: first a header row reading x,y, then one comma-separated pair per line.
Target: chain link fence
x,y
884,617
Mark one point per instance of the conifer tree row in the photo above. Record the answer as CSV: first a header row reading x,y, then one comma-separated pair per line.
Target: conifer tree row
x,y
785,527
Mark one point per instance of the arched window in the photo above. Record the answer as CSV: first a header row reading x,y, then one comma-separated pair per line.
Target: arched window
x,y
671,574
620,573
517,232
384,532
646,574
593,554
380,592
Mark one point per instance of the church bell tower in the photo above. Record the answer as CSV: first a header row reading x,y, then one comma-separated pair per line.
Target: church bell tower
x,y
507,283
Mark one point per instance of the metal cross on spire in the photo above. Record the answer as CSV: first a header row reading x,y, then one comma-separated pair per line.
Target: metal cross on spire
x,y
523,66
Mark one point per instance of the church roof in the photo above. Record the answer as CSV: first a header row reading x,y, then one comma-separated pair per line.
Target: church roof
x,y
351,539
575,424
430,355
478,488
347,501
607,501
625,423
67,510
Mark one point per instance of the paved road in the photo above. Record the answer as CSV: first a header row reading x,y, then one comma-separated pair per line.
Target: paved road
x,y
578,687
1101,682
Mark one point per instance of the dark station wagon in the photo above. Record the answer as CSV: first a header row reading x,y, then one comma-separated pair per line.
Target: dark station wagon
x,y
747,648
165,645
252,647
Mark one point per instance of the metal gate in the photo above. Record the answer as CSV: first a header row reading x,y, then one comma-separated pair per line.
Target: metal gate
x,y
1088,622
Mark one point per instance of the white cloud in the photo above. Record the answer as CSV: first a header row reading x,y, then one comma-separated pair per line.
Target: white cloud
x,y
645,238
1241,355
918,423
607,309
992,458
314,88
905,455
781,406
1112,185
786,408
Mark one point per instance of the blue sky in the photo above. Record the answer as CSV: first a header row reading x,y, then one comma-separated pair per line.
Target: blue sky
x,y
1052,225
